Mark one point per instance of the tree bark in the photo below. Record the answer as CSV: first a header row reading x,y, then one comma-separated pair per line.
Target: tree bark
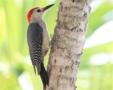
x,y
67,44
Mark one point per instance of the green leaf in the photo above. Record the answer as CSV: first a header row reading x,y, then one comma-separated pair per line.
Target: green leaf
x,y
97,19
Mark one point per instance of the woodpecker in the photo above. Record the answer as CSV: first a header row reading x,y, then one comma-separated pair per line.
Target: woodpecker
x,y
38,41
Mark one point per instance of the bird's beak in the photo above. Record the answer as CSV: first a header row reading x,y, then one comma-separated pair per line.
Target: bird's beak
x,y
47,7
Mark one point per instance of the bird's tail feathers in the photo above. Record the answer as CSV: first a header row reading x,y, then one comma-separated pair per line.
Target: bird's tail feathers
x,y
44,76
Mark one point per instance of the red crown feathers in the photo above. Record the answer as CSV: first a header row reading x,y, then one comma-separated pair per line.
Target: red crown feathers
x,y
30,14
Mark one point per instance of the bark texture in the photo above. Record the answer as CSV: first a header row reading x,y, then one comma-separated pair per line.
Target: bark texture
x,y
67,44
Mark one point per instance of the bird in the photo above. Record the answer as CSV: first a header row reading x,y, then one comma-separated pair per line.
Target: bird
x,y
38,41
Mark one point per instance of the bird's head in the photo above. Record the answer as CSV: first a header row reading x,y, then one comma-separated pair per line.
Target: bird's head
x,y
36,13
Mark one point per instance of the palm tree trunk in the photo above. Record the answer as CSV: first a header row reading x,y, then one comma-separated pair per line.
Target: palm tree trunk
x,y
67,44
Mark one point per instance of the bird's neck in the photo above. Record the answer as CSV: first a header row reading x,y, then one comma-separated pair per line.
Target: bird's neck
x,y
36,20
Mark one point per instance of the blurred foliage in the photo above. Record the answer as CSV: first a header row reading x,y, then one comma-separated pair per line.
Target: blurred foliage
x,y
96,18
15,66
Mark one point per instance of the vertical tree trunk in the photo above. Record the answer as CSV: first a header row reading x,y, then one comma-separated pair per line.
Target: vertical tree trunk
x,y
67,44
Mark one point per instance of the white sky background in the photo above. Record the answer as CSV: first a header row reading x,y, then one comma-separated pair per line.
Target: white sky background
x,y
104,34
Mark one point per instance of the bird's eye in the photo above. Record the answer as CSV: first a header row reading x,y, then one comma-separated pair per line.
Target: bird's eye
x,y
38,10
